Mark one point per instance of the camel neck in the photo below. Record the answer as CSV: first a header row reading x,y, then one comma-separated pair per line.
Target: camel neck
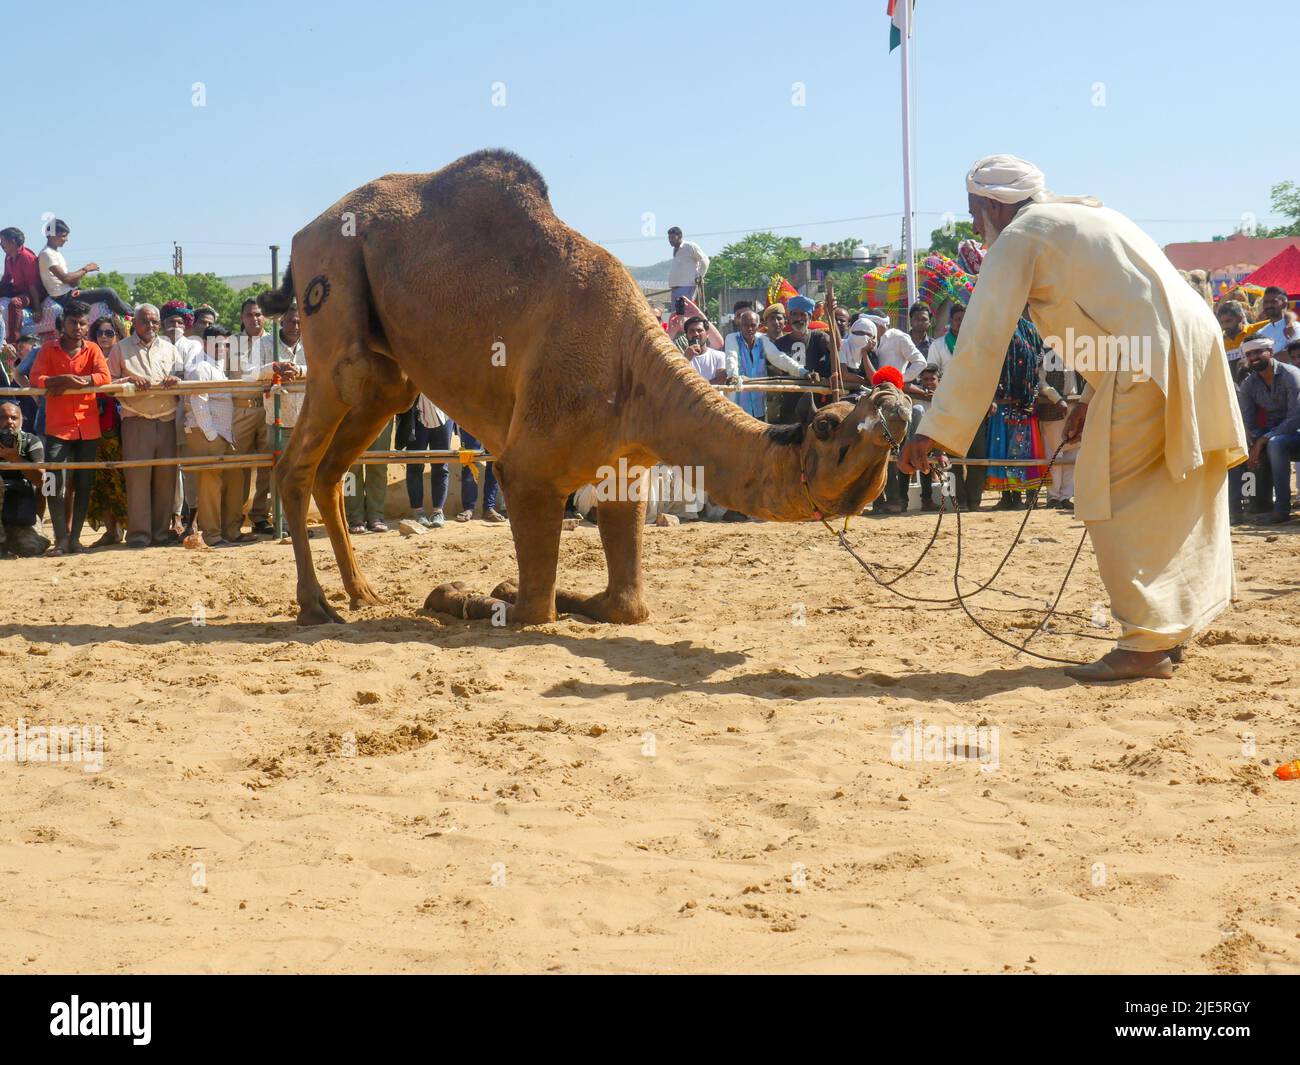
x,y
674,413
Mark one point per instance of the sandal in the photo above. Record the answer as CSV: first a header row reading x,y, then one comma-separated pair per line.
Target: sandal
x,y
356,530
465,515
378,527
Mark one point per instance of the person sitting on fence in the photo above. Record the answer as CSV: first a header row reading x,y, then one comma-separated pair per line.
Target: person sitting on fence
x,y
21,283
19,497
147,359
208,422
71,422
62,284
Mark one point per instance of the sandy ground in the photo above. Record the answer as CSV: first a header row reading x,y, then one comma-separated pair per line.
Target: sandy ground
x,y
713,790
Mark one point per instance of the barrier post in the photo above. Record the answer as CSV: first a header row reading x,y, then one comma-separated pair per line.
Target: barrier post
x,y
276,443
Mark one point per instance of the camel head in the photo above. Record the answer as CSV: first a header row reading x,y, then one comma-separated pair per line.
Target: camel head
x,y
845,451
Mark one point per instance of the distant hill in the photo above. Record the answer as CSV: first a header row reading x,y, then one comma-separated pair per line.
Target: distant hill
x,y
654,275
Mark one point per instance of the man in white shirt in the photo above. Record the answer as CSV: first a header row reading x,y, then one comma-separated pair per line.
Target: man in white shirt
x,y
210,433
253,357
895,348
689,265
709,363
291,366
177,322
145,359
1281,329
941,347
62,284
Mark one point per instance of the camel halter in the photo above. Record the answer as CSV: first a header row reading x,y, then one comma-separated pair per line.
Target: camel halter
x,y
959,597
894,447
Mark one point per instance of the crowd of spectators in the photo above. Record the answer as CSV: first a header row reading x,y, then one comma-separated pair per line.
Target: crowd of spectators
x,y
89,336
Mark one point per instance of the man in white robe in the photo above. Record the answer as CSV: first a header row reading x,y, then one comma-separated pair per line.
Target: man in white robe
x,y
1159,419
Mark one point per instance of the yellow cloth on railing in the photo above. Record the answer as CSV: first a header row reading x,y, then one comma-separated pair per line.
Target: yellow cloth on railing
x,y
467,463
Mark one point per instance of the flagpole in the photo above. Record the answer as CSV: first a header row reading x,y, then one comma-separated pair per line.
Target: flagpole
x,y
909,252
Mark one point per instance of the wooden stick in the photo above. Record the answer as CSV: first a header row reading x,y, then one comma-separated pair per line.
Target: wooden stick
x,y
833,328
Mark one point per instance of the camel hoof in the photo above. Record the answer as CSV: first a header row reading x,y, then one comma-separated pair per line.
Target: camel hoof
x,y
507,591
319,612
448,598
365,596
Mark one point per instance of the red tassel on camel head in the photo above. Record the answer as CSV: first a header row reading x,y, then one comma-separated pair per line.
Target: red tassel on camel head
x,y
888,375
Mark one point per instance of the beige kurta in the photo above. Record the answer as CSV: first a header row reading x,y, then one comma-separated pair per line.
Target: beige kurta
x,y
1150,479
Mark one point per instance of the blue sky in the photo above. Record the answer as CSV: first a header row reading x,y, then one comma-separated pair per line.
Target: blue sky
x,y
682,109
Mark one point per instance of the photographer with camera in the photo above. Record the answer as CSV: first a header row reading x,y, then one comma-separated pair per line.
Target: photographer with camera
x,y
18,488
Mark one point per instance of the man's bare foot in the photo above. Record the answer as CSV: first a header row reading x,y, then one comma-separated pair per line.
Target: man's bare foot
x,y
1125,665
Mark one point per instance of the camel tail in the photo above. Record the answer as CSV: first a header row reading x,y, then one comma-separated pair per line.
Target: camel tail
x,y
277,301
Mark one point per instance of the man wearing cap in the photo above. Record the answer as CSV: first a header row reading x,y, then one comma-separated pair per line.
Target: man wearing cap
x,y
1157,438
803,352
1270,409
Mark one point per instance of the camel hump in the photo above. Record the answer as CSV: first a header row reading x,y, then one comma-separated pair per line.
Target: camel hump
x,y
488,169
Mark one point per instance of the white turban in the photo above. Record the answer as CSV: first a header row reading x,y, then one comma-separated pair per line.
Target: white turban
x,y
879,321
1008,179
855,342
1257,344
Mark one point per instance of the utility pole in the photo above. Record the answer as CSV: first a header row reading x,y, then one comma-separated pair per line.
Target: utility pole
x,y
178,260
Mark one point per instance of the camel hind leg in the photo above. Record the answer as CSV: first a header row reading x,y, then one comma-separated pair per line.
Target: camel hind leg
x,y
352,437
295,474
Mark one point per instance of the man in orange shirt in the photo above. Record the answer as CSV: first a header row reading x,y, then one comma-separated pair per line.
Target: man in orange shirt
x,y
71,422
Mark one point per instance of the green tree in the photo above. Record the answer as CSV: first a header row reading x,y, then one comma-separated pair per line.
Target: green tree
x,y
848,287
108,279
210,289
837,249
943,242
751,261
157,288
1285,201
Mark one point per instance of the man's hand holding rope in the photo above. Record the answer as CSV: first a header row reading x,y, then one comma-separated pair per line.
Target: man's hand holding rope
x,y
915,455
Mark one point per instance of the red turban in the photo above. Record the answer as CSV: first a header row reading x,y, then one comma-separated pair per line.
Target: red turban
x,y
890,375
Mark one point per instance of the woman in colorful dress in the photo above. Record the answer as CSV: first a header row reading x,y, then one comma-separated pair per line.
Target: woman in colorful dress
x,y
1013,431
108,487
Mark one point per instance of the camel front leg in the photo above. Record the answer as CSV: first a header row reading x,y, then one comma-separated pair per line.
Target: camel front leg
x,y
621,528
536,515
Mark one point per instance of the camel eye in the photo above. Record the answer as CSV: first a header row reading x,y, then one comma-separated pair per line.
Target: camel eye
x,y
823,427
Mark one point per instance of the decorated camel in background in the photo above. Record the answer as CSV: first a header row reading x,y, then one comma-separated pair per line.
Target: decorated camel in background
x,y
464,285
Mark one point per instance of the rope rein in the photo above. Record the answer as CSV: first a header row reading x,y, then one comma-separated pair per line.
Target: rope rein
x,y
959,597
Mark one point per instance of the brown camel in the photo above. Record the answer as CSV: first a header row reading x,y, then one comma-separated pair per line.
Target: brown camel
x,y
464,285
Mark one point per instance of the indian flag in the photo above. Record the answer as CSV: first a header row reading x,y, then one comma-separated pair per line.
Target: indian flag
x,y
895,13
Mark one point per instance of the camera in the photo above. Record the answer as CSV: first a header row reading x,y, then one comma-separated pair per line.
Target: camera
x,y
680,306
